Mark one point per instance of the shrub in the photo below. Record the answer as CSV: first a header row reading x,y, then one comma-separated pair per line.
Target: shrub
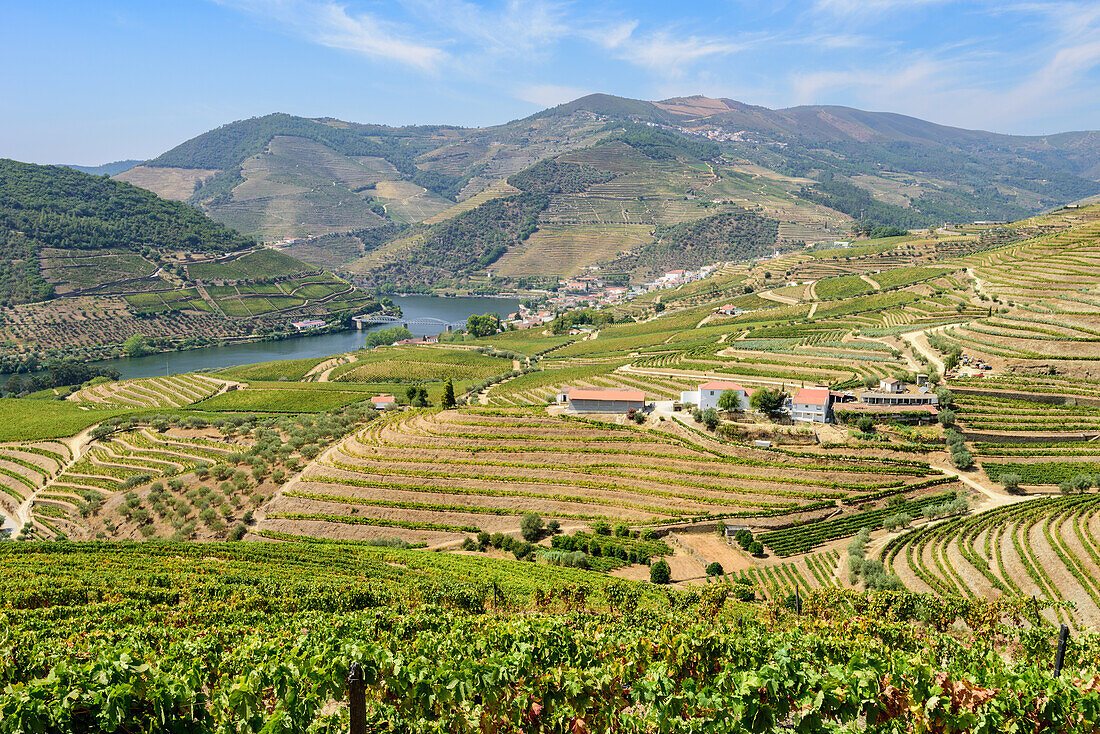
x,y
553,527
601,527
710,419
865,424
660,573
947,417
756,548
714,568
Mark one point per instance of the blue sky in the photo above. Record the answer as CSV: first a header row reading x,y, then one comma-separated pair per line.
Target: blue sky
x,y
90,82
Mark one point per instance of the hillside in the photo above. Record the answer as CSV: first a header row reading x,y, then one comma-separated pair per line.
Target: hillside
x,y
75,214
107,169
87,262
615,169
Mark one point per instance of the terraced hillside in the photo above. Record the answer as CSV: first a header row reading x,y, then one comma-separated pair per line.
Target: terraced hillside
x,y
435,476
156,392
1040,547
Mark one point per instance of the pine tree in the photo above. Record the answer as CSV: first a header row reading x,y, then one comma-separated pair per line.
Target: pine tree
x,y
448,400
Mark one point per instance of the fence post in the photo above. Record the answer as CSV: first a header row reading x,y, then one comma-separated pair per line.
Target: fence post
x,y
1060,656
797,601
357,699
1035,607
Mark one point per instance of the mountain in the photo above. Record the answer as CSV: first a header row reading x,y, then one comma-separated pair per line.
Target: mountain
x,y
107,169
87,262
364,199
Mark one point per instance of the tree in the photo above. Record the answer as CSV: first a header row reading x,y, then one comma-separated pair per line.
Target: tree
x,y
866,424
729,400
410,394
1011,482
530,526
962,459
135,346
482,325
947,417
710,419
448,399
659,572
1077,485
756,548
383,337
714,568
769,401
945,396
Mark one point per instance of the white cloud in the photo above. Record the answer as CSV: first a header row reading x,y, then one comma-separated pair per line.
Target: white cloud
x,y
668,54
864,7
549,95
330,24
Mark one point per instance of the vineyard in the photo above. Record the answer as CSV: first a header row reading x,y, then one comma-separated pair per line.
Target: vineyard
x,y
430,476
255,638
1045,547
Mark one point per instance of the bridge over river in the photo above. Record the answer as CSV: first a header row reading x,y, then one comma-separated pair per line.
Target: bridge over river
x,y
374,319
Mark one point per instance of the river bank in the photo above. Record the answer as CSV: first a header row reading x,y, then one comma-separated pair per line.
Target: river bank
x,y
305,346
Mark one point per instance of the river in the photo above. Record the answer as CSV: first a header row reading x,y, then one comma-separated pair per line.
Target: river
x,y
322,345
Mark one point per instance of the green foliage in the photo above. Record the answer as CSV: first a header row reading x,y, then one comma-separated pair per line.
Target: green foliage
x,y
480,325
389,335
1043,472
714,568
552,176
466,243
729,400
718,238
769,401
57,207
448,399
531,526
660,572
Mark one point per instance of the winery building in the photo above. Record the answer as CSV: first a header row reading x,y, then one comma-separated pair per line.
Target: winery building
x,y
586,400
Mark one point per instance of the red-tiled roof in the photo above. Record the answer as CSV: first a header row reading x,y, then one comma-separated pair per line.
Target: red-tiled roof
x,y
632,395
811,396
382,399
721,385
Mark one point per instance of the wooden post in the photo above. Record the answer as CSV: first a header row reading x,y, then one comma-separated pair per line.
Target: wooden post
x,y
357,699
797,601
1060,656
1035,606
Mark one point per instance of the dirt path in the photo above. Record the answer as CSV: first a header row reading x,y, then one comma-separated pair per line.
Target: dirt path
x,y
871,282
813,310
77,444
773,296
323,371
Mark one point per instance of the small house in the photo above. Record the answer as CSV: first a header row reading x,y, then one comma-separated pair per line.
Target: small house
x,y
383,402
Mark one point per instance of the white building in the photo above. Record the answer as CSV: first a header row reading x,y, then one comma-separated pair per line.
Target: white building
x,y
708,394
811,404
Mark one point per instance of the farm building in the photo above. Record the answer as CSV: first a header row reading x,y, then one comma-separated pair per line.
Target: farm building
x,y
707,395
383,402
896,392
605,400
811,404
306,325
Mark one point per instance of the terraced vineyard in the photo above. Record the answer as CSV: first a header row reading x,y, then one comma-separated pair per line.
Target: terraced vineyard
x,y
153,392
812,571
1044,547
430,476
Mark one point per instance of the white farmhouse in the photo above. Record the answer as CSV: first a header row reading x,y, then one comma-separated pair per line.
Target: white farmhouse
x,y
811,404
707,395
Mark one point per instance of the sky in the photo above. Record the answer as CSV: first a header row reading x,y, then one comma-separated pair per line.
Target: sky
x,y
89,81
